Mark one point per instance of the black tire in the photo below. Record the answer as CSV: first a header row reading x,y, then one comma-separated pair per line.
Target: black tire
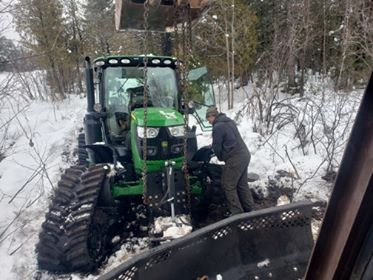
x,y
74,235
82,152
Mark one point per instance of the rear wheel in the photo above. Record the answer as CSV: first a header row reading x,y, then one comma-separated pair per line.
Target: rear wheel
x,y
74,236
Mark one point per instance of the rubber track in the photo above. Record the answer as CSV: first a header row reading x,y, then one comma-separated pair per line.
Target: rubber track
x,y
82,152
63,244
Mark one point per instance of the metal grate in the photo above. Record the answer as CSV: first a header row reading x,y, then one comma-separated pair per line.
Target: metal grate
x,y
292,218
281,234
128,274
162,257
221,233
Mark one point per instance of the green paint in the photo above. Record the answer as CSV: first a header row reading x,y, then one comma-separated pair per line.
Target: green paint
x,y
124,190
196,189
138,188
157,117
195,186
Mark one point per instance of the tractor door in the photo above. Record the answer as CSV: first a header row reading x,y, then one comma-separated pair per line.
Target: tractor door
x,y
116,102
201,92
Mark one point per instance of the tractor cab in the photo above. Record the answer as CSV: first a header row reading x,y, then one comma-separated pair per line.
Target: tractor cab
x,y
122,91
121,95
121,84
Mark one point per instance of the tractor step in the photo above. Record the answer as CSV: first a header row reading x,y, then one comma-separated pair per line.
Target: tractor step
x,y
273,243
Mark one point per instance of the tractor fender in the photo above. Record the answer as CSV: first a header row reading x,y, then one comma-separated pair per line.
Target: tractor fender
x,y
101,152
106,198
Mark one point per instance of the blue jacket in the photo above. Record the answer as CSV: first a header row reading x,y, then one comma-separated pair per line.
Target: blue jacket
x,y
226,139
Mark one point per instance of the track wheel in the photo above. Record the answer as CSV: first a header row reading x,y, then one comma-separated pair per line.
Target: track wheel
x,y
74,235
82,152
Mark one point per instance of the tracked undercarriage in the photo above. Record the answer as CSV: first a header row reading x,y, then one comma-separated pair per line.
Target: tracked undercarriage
x,y
82,226
74,235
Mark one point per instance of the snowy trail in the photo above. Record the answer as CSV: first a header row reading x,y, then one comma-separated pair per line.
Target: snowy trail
x,y
40,143
42,138
53,132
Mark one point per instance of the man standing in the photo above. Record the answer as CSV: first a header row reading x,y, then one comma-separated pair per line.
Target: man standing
x,y
229,147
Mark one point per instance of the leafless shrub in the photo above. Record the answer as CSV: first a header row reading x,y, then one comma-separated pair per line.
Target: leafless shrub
x,y
6,87
33,187
260,107
336,126
32,85
320,123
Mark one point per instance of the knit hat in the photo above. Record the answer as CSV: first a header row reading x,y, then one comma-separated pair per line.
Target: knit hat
x,y
212,111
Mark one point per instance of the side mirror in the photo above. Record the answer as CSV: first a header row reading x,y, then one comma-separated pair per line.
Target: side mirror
x,y
97,108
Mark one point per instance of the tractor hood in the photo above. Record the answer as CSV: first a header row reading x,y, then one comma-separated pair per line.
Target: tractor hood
x,y
157,117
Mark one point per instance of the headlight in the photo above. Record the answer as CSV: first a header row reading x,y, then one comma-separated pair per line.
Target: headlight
x,y
151,132
177,131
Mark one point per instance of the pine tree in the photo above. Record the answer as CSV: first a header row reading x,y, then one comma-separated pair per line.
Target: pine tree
x,y
227,32
99,26
41,26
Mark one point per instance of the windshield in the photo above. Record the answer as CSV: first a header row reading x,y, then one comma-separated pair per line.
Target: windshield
x,y
124,88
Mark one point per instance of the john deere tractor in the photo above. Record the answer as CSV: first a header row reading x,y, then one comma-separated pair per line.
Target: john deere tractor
x,y
138,145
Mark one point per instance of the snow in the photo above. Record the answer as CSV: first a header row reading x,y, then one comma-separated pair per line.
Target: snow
x,y
8,28
172,229
268,152
40,140
263,263
283,200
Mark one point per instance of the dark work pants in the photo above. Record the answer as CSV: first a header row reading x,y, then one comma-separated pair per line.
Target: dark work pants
x,y
235,184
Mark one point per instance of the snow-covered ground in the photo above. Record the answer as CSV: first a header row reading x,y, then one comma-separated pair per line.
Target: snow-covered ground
x,y
322,118
39,139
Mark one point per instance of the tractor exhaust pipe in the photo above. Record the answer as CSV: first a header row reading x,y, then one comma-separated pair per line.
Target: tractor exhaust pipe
x,y
167,44
92,125
89,84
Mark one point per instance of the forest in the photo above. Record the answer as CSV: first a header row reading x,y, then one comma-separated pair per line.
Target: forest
x,y
277,44
289,73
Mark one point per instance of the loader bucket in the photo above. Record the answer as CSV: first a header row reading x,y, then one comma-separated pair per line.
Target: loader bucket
x,y
129,14
273,243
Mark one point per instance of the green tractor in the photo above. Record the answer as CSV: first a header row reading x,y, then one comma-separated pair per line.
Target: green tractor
x,y
136,145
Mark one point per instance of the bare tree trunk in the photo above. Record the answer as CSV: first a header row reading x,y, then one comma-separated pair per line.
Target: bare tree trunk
x,y
57,82
324,69
345,45
232,52
227,46
77,36
291,49
305,45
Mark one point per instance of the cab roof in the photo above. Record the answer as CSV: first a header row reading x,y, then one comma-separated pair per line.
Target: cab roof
x,y
135,60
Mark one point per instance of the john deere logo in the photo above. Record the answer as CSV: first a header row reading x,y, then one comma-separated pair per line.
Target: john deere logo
x,y
169,116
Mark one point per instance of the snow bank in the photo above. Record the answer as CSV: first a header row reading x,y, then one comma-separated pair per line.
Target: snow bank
x,y
173,229
333,114
39,140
